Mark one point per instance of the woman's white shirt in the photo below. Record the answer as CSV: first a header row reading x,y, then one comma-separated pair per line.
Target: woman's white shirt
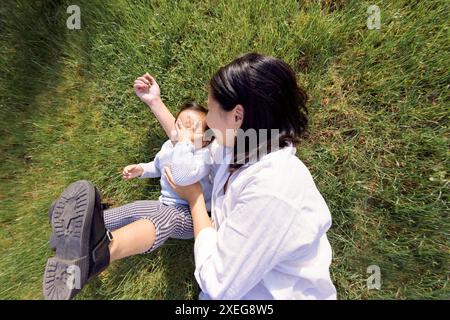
x,y
268,239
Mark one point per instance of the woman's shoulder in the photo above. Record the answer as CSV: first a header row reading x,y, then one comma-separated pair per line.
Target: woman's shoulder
x,y
278,165
286,179
280,173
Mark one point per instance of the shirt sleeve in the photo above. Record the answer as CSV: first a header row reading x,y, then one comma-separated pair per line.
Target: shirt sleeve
x,y
151,169
189,166
258,233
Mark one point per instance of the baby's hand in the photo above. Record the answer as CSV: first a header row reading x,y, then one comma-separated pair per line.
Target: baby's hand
x,y
193,131
147,89
132,171
183,132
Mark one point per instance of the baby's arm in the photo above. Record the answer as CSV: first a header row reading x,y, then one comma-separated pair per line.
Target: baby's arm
x,y
187,166
165,118
147,89
150,169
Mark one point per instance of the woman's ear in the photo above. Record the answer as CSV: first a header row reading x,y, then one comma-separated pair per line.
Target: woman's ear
x,y
239,114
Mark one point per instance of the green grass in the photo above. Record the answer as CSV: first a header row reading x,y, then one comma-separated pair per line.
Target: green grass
x,y
377,146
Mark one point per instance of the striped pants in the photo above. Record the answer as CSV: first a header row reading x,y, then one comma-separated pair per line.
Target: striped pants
x,y
171,221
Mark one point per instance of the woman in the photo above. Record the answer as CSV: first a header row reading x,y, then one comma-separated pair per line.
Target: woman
x,y
266,238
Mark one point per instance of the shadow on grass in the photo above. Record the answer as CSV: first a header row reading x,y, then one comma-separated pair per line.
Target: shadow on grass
x,y
32,64
35,67
38,47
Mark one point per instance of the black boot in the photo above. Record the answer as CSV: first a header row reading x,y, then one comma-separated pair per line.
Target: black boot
x,y
80,240
53,237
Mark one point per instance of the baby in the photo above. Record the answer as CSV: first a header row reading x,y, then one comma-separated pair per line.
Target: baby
x,y
186,155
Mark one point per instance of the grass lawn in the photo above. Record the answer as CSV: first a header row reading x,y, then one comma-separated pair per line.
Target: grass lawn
x,y
377,145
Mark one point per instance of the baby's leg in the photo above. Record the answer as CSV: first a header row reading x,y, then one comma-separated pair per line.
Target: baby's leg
x,y
142,226
132,239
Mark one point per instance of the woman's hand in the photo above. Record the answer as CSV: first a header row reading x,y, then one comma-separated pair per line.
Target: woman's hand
x,y
147,89
132,171
189,193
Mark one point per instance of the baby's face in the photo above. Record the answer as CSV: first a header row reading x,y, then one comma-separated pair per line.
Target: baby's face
x,y
190,117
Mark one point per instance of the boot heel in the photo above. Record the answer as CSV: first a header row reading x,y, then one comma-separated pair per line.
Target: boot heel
x,y
63,279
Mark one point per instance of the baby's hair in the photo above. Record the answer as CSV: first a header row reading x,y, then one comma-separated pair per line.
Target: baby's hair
x,y
192,105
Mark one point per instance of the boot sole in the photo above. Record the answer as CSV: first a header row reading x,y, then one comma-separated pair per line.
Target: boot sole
x,y
50,214
71,217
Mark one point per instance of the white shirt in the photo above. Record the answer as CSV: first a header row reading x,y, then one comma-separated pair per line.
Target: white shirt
x,y
188,165
268,239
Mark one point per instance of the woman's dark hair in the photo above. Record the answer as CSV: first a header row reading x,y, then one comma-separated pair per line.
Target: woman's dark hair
x,y
267,89
191,105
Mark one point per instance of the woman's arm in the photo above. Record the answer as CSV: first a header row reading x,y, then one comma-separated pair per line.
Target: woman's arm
x,y
261,230
147,89
194,196
200,217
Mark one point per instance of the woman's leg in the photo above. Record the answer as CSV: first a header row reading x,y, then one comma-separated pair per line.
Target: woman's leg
x,y
144,225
